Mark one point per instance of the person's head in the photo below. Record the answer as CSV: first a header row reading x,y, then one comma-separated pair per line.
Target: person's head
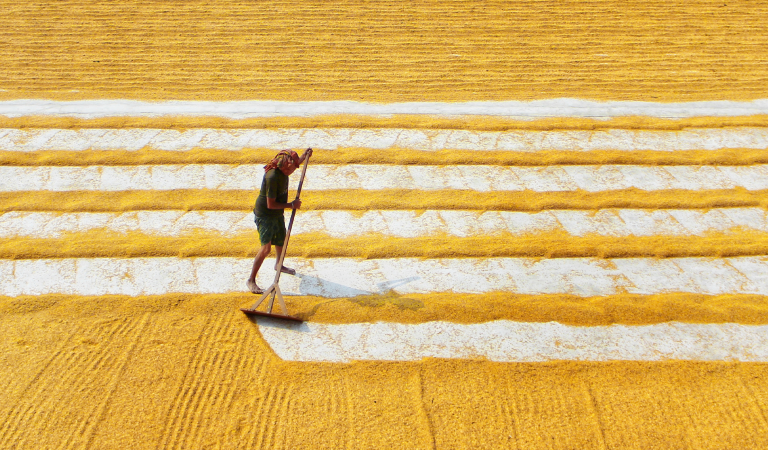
x,y
287,161
290,165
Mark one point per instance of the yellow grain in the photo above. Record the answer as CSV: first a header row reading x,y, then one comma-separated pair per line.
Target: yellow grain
x,y
627,309
383,52
178,371
361,200
143,376
103,244
405,121
730,157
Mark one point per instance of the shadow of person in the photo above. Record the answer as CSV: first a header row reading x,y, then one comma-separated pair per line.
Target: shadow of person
x,y
318,287
391,297
315,287
387,286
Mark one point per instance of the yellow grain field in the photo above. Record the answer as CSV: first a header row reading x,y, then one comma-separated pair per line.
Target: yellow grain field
x,y
385,51
189,371
179,373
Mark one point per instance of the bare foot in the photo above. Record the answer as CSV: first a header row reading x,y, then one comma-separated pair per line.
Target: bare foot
x,y
254,288
287,270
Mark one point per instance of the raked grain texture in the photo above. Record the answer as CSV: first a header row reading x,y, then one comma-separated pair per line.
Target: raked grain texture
x,y
565,347
586,272
385,51
183,375
394,223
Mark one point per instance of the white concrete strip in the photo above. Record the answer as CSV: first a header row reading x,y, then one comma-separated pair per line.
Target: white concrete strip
x,y
171,223
506,341
374,177
395,223
29,140
347,277
561,107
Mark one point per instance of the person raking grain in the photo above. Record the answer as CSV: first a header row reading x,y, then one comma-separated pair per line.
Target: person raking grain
x,y
269,209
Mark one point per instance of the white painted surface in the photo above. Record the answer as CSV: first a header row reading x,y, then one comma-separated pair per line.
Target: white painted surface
x,y
29,140
561,107
171,223
506,341
343,277
396,223
374,177
347,277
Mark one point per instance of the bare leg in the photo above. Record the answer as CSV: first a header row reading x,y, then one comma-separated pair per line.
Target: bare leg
x,y
288,270
260,257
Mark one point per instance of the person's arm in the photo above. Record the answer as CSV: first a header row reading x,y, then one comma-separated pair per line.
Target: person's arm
x,y
272,188
272,203
307,152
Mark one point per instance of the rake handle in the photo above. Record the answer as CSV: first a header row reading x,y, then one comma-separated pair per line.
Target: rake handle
x,y
290,223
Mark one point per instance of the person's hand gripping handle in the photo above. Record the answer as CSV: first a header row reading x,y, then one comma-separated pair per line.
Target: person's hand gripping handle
x,y
296,204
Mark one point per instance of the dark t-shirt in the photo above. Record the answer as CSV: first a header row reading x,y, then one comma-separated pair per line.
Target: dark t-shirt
x,y
274,185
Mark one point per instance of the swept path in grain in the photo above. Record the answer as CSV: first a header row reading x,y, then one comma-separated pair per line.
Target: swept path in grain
x,y
348,277
506,341
383,139
562,107
381,177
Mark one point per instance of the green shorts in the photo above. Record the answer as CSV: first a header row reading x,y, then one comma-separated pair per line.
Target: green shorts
x,y
271,230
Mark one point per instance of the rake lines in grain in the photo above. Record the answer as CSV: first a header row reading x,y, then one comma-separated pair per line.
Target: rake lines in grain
x,y
594,408
755,394
509,409
34,389
421,410
258,420
242,374
88,428
80,378
191,381
272,407
209,400
276,434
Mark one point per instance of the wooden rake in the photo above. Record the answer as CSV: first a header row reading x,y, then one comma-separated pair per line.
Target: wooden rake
x,y
274,290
